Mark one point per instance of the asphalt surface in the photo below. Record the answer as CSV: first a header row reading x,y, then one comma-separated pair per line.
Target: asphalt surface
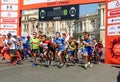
x,y
73,73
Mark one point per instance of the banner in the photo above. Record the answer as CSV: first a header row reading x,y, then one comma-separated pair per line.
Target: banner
x,y
112,49
9,17
32,4
59,13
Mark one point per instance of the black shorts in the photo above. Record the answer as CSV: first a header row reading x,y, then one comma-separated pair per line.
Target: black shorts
x,y
40,49
12,51
35,51
100,54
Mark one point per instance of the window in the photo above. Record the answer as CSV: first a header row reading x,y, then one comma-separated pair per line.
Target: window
x,y
53,25
41,25
47,25
24,26
27,26
81,26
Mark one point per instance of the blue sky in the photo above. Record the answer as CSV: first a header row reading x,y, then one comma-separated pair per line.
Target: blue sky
x,y
88,8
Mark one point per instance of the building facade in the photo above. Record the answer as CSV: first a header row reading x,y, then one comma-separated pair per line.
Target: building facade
x,y
30,23
93,23
87,23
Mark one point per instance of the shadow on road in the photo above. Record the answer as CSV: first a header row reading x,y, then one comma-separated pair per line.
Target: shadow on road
x,y
102,60
116,66
81,65
118,77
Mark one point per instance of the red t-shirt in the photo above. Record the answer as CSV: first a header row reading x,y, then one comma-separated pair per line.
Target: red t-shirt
x,y
46,44
99,47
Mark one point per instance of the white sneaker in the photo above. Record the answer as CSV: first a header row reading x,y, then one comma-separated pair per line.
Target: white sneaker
x,y
51,62
99,63
88,63
61,64
47,63
91,65
86,66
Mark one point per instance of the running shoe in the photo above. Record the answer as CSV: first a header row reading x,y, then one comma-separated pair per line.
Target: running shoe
x,y
48,63
91,65
15,63
86,65
33,65
61,64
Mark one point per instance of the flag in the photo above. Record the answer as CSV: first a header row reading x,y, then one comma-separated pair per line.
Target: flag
x,y
67,35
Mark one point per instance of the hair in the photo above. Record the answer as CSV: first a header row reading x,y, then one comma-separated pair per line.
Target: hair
x,y
87,33
34,32
44,36
72,38
63,34
4,35
39,31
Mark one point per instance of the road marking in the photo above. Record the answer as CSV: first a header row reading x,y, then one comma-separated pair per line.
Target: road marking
x,y
5,68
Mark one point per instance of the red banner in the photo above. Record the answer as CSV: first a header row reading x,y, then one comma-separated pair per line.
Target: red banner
x,y
112,48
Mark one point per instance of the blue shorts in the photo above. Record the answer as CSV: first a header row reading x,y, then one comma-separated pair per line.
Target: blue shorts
x,y
84,51
71,53
60,49
89,52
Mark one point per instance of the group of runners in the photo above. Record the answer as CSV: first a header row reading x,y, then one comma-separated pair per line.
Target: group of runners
x,y
58,48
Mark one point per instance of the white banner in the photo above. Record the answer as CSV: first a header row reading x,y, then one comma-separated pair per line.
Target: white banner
x,y
9,1
28,2
113,20
114,4
9,7
113,30
5,32
8,25
9,14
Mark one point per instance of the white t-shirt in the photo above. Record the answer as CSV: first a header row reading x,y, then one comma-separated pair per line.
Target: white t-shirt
x,y
12,41
4,42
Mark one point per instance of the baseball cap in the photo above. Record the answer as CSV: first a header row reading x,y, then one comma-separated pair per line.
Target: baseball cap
x,y
9,34
58,33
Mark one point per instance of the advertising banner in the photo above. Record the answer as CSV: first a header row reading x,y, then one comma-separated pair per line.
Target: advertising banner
x,y
112,48
59,13
32,4
9,17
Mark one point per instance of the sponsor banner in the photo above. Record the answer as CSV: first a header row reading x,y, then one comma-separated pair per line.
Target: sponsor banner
x,y
9,7
59,13
114,12
114,4
32,4
28,2
29,12
9,14
8,20
113,20
9,1
112,42
5,32
8,25
113,30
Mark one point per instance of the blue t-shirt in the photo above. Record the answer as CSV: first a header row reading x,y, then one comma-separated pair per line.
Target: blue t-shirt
x,y
88,48
59,42
27,44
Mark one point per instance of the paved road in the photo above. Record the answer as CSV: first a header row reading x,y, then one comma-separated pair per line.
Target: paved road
x,y
26,73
